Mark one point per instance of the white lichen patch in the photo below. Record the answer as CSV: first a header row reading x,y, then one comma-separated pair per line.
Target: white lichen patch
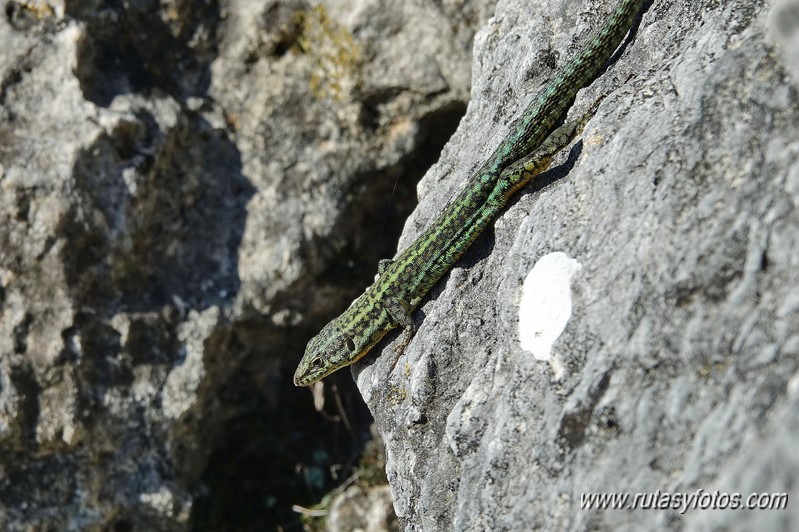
x,y
546,304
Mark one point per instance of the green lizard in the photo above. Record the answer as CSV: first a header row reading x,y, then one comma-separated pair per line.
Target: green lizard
x,y
525,152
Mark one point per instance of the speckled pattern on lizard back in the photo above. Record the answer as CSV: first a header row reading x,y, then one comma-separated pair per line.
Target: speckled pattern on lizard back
x,y
525,152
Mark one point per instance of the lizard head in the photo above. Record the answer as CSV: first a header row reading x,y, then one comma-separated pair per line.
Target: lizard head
x,y
326,352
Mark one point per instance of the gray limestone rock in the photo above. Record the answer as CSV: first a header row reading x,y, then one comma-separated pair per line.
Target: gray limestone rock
x,y
366,509
189,191
184,189
677,217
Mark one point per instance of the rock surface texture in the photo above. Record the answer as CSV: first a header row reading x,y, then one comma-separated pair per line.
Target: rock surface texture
x,y
190,190
677,218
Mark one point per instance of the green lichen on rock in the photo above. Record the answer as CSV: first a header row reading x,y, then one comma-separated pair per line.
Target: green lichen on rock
x,y
334,53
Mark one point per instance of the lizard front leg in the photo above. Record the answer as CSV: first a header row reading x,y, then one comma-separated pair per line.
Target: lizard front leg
x,y
400,313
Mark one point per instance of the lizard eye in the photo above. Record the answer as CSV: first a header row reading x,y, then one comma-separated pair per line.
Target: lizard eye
x,y
349,343
316,362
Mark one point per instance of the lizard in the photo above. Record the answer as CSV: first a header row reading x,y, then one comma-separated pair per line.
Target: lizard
x,y
401,284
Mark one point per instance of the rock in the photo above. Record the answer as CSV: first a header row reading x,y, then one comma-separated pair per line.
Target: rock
x,y
187,191
362,509
677,369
